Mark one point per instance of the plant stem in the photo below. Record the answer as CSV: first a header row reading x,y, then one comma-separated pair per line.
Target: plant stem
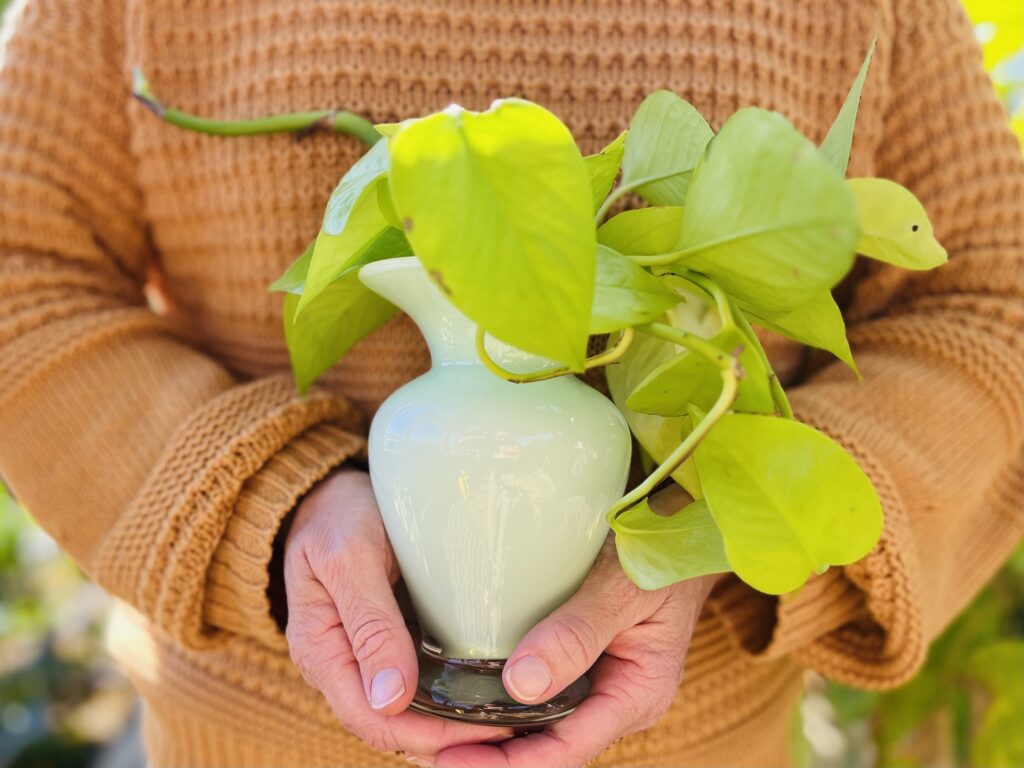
x,y
607,357
690,341
624,189
300,123
712,289
685,448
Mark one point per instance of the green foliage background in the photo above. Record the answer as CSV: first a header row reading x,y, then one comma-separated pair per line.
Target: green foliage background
x,y
62,703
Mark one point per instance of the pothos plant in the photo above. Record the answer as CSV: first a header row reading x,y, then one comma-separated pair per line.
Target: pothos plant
x,y
752,225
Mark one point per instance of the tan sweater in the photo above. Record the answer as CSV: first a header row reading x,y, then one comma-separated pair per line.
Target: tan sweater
x,y
162,452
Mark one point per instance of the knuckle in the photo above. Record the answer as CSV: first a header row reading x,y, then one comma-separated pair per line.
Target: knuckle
x,y
371,634
576,639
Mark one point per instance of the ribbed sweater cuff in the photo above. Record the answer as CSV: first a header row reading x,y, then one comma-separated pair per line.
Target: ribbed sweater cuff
x,y
236,597
201,529
770,626
859,624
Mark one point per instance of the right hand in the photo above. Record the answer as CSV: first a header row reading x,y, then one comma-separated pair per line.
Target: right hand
x,y
345,629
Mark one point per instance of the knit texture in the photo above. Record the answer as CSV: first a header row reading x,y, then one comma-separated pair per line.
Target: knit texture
x,y
163,449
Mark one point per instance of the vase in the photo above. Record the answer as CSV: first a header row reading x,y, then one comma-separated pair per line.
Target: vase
x,y
493,495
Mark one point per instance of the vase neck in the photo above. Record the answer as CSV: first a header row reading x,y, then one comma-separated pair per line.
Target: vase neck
x,y
450,335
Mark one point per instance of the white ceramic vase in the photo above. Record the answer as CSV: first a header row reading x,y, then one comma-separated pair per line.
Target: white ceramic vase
x,y
493,494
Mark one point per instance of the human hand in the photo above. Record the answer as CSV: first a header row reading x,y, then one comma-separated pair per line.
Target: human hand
x,y
345,630
644,637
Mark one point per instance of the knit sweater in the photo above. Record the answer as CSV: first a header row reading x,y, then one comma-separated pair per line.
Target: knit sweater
x,y
161,441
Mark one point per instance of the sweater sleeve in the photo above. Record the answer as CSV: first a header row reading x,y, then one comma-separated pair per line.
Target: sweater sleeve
x,y
158,472
937,421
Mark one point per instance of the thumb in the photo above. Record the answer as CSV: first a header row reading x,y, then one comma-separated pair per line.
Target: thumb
x,y
378,635
561,648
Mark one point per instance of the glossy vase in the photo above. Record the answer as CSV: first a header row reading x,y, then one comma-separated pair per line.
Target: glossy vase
x,y
494,497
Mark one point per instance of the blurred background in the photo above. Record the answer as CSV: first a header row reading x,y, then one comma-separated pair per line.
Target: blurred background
x,y
63,703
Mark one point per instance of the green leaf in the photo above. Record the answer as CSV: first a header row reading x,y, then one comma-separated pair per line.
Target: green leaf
x,y
353,185
989,664
604,167
657,550
335,256
837,144
999,667
691,379
498,208
787,499
684,380
767,217
294,278
643,231
818,323
666,139
343,314
894,226
657,435
625,294
334,253
385,203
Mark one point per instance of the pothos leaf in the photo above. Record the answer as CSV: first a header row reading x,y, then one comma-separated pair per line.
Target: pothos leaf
x,y
894,225
691,379
787,499
625,294
656,551
666,139
767,217
658,435
294,278
643,231
604,167
499,209
818,323
333,253
363,173
341,315
837,144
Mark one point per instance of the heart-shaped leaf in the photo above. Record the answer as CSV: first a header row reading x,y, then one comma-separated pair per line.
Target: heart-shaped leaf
x,y
787,499
894,226
837,144
499,209
643,231
625,294
666,139
767,217
691,379
657,435
604,167
361,176
294,278
341,315
656,550
818,323
334,253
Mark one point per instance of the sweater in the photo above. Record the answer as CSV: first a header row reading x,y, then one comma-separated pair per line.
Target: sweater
x,y
149,422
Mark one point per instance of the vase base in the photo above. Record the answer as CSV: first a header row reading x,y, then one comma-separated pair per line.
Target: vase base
x,y
470,690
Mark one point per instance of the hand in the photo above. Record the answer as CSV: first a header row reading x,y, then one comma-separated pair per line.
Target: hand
x,y
345,630
644,637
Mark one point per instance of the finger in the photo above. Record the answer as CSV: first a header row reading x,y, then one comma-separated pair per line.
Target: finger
x,y
321,650
603,717
562,647
380,641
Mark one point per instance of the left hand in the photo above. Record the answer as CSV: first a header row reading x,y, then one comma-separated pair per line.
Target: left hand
x,y
644,637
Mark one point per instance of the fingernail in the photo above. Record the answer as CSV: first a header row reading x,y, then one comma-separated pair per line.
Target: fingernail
x,y
528,678
422,762
387,686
